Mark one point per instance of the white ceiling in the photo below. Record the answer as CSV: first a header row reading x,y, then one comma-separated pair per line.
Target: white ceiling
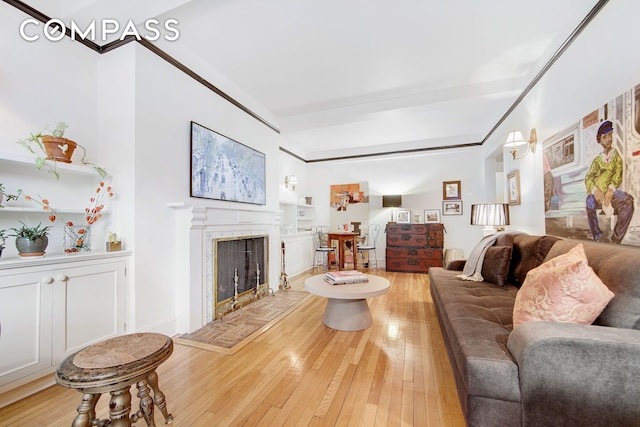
x,y
351,77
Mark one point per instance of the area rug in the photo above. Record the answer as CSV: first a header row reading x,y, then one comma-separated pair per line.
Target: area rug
x,y
237,329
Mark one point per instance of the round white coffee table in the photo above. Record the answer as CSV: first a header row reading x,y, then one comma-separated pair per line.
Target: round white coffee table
x,y
347,308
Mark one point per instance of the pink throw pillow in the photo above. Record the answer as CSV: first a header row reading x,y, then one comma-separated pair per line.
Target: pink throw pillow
x,y
563,289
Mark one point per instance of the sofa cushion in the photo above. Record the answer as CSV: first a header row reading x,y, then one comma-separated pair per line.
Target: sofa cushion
x,y
476,322
617,267
495,267
563,289
504,240
528,252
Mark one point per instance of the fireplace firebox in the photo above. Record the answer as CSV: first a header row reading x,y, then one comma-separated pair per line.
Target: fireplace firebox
x,y
240,270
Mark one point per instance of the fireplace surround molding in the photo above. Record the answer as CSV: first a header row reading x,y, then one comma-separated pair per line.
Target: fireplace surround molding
x,y
196,229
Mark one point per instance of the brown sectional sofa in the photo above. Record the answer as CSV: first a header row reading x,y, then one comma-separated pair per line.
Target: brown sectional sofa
x,y
543,373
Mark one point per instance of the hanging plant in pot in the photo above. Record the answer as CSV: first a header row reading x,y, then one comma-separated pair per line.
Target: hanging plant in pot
x,y
56,148
31,241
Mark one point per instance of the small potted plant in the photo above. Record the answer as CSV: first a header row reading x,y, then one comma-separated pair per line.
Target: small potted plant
x,y
9,197
31,241
113,244
56,147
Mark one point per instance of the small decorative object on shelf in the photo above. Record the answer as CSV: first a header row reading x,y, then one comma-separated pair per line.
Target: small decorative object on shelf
x,y
8,197
113,244
77,237
56,148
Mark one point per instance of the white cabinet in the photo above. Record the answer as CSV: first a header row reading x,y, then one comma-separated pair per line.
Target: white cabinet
x,y
49,311
296,218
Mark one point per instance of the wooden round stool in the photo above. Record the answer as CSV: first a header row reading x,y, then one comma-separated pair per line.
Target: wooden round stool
x,y
113,366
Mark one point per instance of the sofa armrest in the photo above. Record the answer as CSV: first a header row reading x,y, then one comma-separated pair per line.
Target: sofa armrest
x,y
570,373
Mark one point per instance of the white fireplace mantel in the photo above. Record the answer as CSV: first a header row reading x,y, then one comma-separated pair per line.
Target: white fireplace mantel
x,y
195,228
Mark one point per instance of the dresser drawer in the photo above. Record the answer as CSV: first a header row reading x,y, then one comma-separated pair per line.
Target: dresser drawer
x,y
407,228
415,253
411,265
407,240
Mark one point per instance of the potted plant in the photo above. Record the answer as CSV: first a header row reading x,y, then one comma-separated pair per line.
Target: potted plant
x,y
31,241
56,147
113,244
9,197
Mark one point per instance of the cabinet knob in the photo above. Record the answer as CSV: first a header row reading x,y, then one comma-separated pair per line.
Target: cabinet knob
x,y
47,280
62,278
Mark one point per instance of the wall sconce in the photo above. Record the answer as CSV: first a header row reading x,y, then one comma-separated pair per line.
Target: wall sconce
x,y
290,182
516,139
491,215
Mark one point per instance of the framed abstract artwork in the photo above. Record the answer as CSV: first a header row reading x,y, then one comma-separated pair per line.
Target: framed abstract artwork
x,y
224,169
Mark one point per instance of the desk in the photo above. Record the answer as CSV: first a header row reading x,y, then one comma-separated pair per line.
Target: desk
x,y
342,238
347,308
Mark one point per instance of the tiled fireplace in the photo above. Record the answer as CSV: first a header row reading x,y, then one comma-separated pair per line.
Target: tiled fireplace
x,y
197,232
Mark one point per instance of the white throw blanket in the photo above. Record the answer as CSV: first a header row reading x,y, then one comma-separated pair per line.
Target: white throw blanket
x,y
473,267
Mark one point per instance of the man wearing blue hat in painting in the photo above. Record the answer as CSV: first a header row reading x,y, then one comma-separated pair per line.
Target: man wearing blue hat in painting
x,y
602,181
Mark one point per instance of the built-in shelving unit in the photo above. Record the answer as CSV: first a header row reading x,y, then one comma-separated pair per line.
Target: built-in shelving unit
x,y
69,196
296,218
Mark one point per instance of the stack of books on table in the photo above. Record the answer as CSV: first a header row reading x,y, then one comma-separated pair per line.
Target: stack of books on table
x,y
345,277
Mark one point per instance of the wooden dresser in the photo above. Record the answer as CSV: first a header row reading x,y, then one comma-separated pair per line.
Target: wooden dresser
x,y
413,248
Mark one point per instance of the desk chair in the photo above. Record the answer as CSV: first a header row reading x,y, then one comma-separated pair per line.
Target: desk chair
x,y
320,247
369,245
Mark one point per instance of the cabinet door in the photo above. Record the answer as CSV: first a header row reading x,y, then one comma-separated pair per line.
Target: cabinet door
x,y
89,306
25,324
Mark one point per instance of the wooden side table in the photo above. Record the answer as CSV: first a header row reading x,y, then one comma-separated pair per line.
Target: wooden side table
x,y
112,366
343,237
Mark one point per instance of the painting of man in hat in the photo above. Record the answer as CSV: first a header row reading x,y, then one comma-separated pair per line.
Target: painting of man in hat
x,y
603,181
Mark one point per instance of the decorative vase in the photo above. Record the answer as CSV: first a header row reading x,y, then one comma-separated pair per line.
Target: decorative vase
x,y
58,149
77,238
28,247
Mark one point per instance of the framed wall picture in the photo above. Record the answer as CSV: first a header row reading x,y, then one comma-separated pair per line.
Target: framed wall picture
x,y
403,216
451,190
224,169
513,187
452,207
432,216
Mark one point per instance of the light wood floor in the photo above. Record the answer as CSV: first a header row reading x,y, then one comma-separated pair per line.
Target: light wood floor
x,y
302,373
